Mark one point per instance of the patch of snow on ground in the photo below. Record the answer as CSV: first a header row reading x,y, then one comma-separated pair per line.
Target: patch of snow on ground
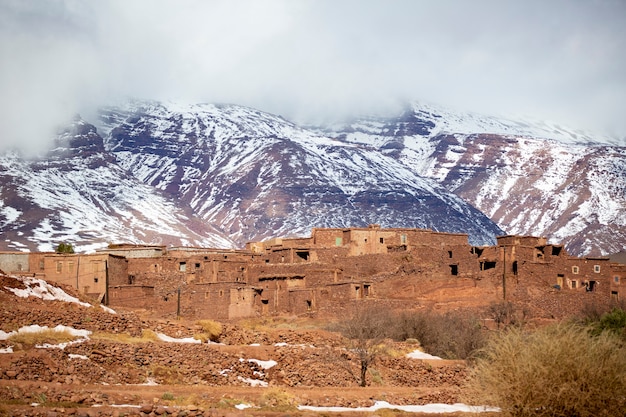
x,y
167,338
426,408
253,382
35,328
75,356
107,309
418,354
41,289
263,364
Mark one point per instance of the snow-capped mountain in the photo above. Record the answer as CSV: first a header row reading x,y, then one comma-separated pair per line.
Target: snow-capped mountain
x,y
257,175
79,194
530,178
222,175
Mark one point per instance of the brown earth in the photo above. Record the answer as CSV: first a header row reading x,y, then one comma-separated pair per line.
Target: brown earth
x,y
97,376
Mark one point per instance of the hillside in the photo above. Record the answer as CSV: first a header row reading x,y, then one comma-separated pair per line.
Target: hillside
x,y
126,362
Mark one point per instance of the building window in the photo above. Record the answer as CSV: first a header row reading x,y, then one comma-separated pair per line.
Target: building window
x,y
95,280
382,240
574,270
197,266
70,267
573,284
616,279
403,239
596,269
449,254
59,267
454,270
182,267
338,241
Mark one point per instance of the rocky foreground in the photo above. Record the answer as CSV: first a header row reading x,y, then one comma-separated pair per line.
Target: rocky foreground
x,y
121,368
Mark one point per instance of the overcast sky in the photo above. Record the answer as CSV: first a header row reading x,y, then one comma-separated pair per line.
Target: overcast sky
x,y
557,60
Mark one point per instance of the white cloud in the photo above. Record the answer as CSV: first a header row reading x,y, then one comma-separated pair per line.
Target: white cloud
x,y
559,60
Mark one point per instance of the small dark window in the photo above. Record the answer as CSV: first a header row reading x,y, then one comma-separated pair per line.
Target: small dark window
x,y
487,265
197,266
382,240
449,254
95,280
131,279
308,304
454,270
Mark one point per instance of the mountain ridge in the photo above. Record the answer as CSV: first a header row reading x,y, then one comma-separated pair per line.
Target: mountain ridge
x,y
234,174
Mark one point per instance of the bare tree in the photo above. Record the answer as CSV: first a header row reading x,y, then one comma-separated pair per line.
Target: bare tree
x,y
365,331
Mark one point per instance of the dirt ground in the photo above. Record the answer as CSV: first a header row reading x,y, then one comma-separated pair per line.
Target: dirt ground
x,y
118,371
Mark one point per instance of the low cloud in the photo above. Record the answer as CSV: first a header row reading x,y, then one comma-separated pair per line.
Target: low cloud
x,y
312,59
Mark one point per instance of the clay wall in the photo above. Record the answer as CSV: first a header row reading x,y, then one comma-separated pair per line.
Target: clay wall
x,y
118,270
86,273
210,301
132,296
133,251
15,263
36,263
514,240
327,238
618,282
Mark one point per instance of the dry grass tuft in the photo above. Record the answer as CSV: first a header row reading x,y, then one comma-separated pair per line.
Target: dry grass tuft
x,y
29,340
278,400
212,331
559,370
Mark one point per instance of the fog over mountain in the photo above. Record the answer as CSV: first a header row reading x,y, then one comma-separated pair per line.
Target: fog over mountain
x,y
312,60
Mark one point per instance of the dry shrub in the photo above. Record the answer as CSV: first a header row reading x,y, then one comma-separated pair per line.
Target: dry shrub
x,y
149,335
278,400
212,330
27,339
560,370
450,335
167,375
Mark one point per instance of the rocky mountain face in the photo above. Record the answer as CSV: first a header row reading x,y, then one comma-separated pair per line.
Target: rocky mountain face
x,y
222,175
78,193
531,179
257,175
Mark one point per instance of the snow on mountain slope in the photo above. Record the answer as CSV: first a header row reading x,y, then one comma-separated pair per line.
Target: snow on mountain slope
x,y
257,175
222,175
78,194
530,179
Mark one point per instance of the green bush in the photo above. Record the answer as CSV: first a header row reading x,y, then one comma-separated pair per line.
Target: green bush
x,y
560,370
64,248
613,321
